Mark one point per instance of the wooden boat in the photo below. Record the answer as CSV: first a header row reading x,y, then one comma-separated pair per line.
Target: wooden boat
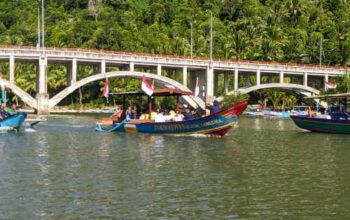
x,y
278,114
13,122
334,122
253,111
217,124
322,124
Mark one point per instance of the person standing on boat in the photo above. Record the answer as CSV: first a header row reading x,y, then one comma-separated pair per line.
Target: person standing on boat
x,y
214,108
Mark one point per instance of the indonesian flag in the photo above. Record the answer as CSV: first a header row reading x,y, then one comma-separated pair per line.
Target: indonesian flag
x,y
196,90
105,91
146,87
330,85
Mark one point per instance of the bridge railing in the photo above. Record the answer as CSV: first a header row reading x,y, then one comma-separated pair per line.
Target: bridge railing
x,y
171,57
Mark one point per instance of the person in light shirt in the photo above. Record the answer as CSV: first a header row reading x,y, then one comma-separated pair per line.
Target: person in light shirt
x,y
160,116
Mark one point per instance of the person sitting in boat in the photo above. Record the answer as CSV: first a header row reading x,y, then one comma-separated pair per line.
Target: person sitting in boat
x,y
129,114
178,116
214,108
188,114
198,112
160,116
117,114
3,113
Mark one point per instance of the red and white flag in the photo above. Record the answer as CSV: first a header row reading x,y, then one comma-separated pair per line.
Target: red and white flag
x,y
196,90
105,91
330,85
146,87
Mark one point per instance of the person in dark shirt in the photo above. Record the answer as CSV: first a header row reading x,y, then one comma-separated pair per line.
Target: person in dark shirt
x,y
214,108
198,112
188,115
3,113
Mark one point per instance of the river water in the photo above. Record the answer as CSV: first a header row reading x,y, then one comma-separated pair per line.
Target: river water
x,y
263,169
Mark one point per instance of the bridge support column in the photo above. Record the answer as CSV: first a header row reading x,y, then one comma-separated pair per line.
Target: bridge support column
x,y
216,84
42,96
12,69
235,88
43,104
225,83
159,70
72,72
258,77
184,76
132,67
305,79
210,84
281,77
103,66
325,80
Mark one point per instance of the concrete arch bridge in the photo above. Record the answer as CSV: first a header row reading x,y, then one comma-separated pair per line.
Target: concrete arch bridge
x,y
305,90
49,103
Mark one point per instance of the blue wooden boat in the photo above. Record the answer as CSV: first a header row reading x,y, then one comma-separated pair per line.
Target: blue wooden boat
x,y
13,122
217,124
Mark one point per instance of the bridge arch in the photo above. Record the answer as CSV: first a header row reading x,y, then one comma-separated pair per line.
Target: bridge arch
x,y
160,79
26,98
290,86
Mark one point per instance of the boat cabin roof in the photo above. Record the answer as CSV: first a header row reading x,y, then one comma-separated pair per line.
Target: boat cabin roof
x,y
157,92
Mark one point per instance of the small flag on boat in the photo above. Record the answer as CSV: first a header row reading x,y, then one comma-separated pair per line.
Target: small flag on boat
x,y
196,90
146,87
105,91
330,85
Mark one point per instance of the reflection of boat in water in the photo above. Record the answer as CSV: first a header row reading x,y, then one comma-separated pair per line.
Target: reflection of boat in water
x,y
217,124
253,111
272,113
12,122
336,121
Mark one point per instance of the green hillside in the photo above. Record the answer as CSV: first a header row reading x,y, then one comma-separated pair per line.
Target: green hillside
x,y
271,30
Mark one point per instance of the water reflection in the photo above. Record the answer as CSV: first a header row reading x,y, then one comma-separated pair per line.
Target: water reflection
x,y
265,169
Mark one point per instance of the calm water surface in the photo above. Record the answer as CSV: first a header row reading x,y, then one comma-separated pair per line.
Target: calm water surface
x,y
264,169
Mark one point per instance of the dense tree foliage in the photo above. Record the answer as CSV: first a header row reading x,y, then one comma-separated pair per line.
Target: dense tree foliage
x,y
286,31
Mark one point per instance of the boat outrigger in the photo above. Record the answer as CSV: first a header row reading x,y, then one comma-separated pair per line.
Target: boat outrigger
x,y
336,121
217,124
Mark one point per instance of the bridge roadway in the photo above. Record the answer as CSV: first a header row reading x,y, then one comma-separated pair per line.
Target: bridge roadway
x,y
203,68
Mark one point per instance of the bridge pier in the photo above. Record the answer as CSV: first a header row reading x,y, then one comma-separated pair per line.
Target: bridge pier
x,y
72,72
42,104
184,76
12,69
210,84
42,96
235,88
